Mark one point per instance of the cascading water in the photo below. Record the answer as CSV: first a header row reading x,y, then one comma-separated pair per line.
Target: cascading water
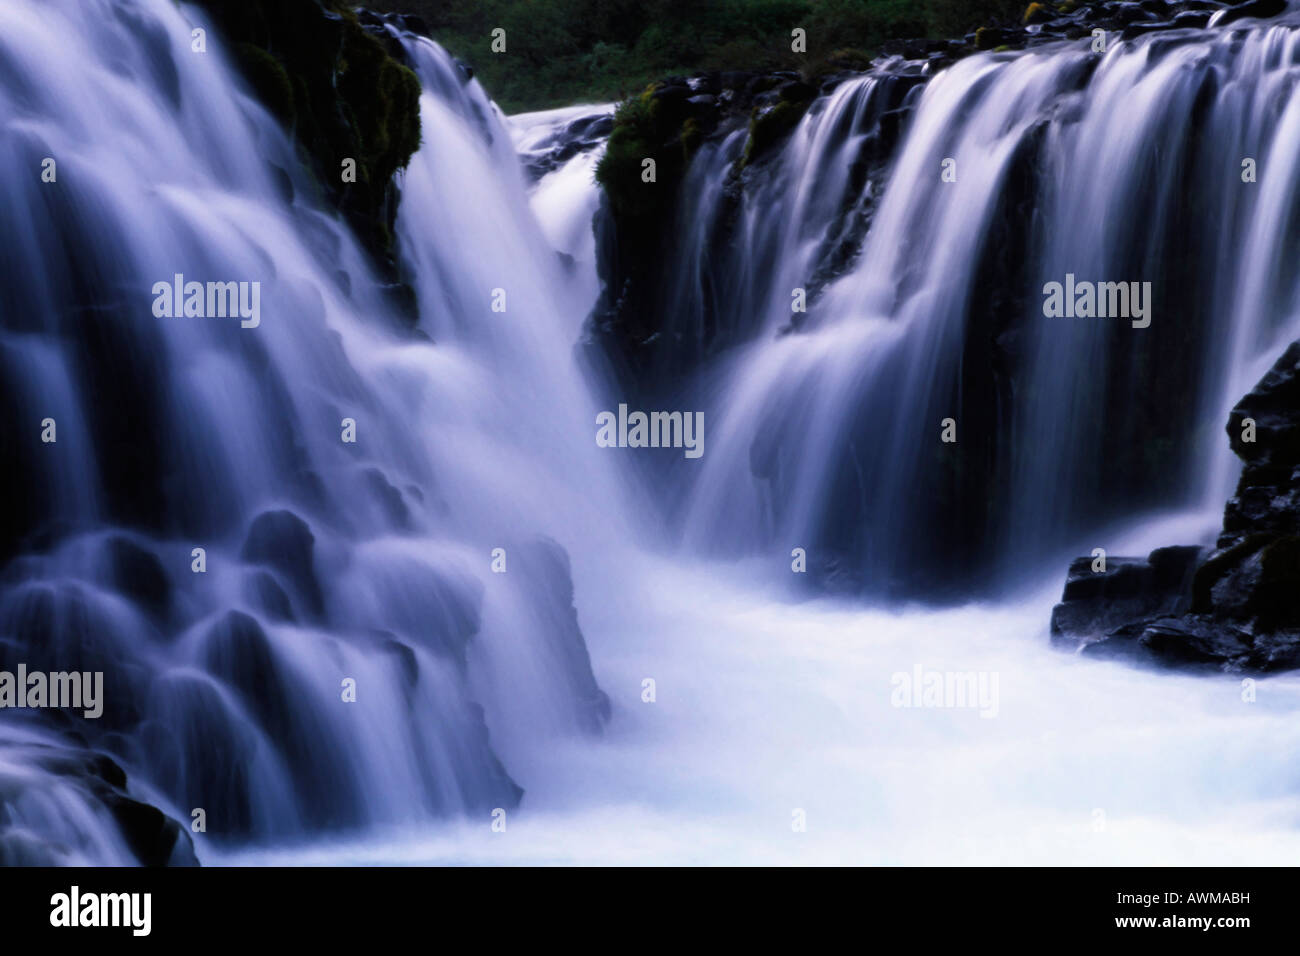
x,y
375,561
1065,163
325,561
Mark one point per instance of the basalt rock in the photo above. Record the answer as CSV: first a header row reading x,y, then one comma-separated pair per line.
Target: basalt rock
x,y
34,773
283,541
1234,608
337,82
671,120
639,220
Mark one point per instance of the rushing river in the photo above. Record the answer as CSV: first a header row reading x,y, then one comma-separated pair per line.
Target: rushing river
x,y
448,547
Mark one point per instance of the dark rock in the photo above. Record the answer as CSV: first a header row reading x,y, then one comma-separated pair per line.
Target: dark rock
x,y
1095,603
1037,13
336,80
283,541
155,838
1236,608
99,782
139,575
1259,9
263,592
1138,29
544,565
415,23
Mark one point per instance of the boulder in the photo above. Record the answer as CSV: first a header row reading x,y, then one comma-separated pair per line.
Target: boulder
x,y
283,542
1236,607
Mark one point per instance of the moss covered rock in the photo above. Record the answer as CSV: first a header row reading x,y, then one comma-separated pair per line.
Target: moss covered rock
x,y
769,125
340,90
655,125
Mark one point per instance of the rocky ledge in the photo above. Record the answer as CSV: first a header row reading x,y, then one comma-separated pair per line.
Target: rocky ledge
x,y
338,82
1234,608
59,803
1072,20
672,119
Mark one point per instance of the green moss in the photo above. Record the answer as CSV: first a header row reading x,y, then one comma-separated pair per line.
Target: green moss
x,y
646,127
384,97
340,92
269,80
631,142
768,125
691,138
1035,12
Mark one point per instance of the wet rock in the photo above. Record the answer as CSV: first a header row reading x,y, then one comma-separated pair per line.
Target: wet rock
x,y
582,135
544,565
238,651
1096,603
138,574
1259,9
283,541
389,498
65,628
263,592
155,838
55,775
1235,608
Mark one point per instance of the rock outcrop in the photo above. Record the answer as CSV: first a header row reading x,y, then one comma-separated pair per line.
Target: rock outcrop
x,y
672,119
58,803
336,80
1236,607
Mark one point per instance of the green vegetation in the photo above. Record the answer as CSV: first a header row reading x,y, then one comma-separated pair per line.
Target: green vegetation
x,y
642,130
569,51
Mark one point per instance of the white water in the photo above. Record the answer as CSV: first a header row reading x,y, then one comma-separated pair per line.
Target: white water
x,y
764,705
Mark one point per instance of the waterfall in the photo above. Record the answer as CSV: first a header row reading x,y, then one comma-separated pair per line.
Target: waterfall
x,y
1117,167
363,650
324,560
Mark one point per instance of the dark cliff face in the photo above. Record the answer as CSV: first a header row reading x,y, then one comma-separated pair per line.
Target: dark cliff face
x,y
1236,608
638,225
337,81
671,120
741,123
